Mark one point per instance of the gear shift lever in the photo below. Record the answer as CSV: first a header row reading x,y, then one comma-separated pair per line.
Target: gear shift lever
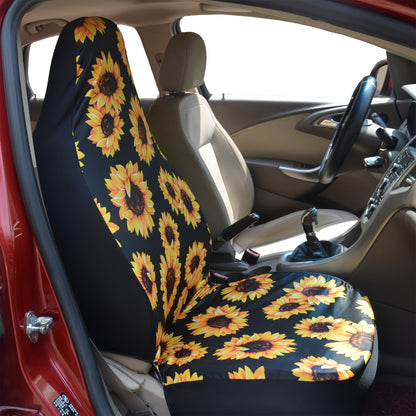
x,y
309,222
313,248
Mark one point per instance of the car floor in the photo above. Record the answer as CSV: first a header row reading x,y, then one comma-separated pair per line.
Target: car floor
x,y
387,399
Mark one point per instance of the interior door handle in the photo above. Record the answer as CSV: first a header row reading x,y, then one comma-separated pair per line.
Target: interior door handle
x,y
328,122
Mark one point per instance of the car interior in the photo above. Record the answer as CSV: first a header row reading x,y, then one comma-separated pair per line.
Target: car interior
x,y
185,119
188,246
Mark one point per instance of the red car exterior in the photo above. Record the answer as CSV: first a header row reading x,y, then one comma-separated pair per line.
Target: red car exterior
x,y
33,376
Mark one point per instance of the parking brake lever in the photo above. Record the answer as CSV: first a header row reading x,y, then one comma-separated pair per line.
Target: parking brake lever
x,y
232,230
223,253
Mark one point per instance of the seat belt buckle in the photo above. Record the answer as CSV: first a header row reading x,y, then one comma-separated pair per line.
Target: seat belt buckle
x,y
250,256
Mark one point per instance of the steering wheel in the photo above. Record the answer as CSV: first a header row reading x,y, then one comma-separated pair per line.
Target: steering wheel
x,y
348,129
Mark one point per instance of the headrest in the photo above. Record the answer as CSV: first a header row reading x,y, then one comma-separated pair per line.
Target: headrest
x,y
183,64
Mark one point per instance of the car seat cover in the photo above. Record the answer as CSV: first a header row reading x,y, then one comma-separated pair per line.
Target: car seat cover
x,y
276,326
301,327
151,211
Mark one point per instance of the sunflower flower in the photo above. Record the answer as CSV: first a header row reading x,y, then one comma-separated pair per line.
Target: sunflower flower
x,y
122,49
285,307
165,342
141,132
107,84
106,216
321,369
129,192
170,271
355,341
185,353
187,203
195,261
145,272
219,321
365,307
168,186
79,70
249,288
169,232
316,290
183,377
88,29
106,129
265,345
320,327
181,306
80,155
247,374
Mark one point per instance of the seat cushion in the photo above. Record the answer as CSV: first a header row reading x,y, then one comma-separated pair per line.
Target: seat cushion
x,y
271,329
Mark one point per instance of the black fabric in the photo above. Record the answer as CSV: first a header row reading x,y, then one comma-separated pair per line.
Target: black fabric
x,y
137,251
315,250
263,398
104,286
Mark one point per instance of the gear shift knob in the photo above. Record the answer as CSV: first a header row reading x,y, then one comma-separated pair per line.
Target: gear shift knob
x,y
309,222
313,249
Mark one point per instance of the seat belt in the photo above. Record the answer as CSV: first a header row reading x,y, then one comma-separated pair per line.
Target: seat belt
x,y
135,405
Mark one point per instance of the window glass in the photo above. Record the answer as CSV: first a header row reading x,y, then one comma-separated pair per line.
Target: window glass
x,y
252,57
41,52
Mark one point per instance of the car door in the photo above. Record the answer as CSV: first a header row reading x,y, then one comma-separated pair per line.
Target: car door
x,y
279,89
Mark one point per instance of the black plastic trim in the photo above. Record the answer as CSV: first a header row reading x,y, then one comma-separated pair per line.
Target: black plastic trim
x,y
11,58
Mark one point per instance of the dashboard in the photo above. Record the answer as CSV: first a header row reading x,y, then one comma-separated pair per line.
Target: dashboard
x,y
401,174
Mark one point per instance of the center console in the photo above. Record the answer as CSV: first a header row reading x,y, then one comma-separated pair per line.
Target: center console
x,y
396,191
401,174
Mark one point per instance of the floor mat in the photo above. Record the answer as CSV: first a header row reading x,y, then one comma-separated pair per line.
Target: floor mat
x,y
390,400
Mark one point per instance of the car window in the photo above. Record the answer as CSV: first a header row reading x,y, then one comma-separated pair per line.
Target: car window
x,y
253,57
41,52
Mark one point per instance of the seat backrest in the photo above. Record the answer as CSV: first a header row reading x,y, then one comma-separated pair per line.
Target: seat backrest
x,y
194,141
129,229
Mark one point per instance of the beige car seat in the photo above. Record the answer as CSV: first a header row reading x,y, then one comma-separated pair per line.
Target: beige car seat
x,y
205,155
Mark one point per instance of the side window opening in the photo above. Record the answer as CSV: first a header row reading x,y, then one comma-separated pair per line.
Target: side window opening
x,y
41,52
254,58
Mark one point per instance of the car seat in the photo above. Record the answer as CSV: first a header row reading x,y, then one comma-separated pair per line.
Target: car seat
x,y
137,249
191,137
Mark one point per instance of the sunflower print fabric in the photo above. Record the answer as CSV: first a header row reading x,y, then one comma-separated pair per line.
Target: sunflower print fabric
x,y
149,209
303,327
273,326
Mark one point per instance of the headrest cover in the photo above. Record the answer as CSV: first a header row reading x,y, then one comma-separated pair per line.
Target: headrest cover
x,y
183,64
